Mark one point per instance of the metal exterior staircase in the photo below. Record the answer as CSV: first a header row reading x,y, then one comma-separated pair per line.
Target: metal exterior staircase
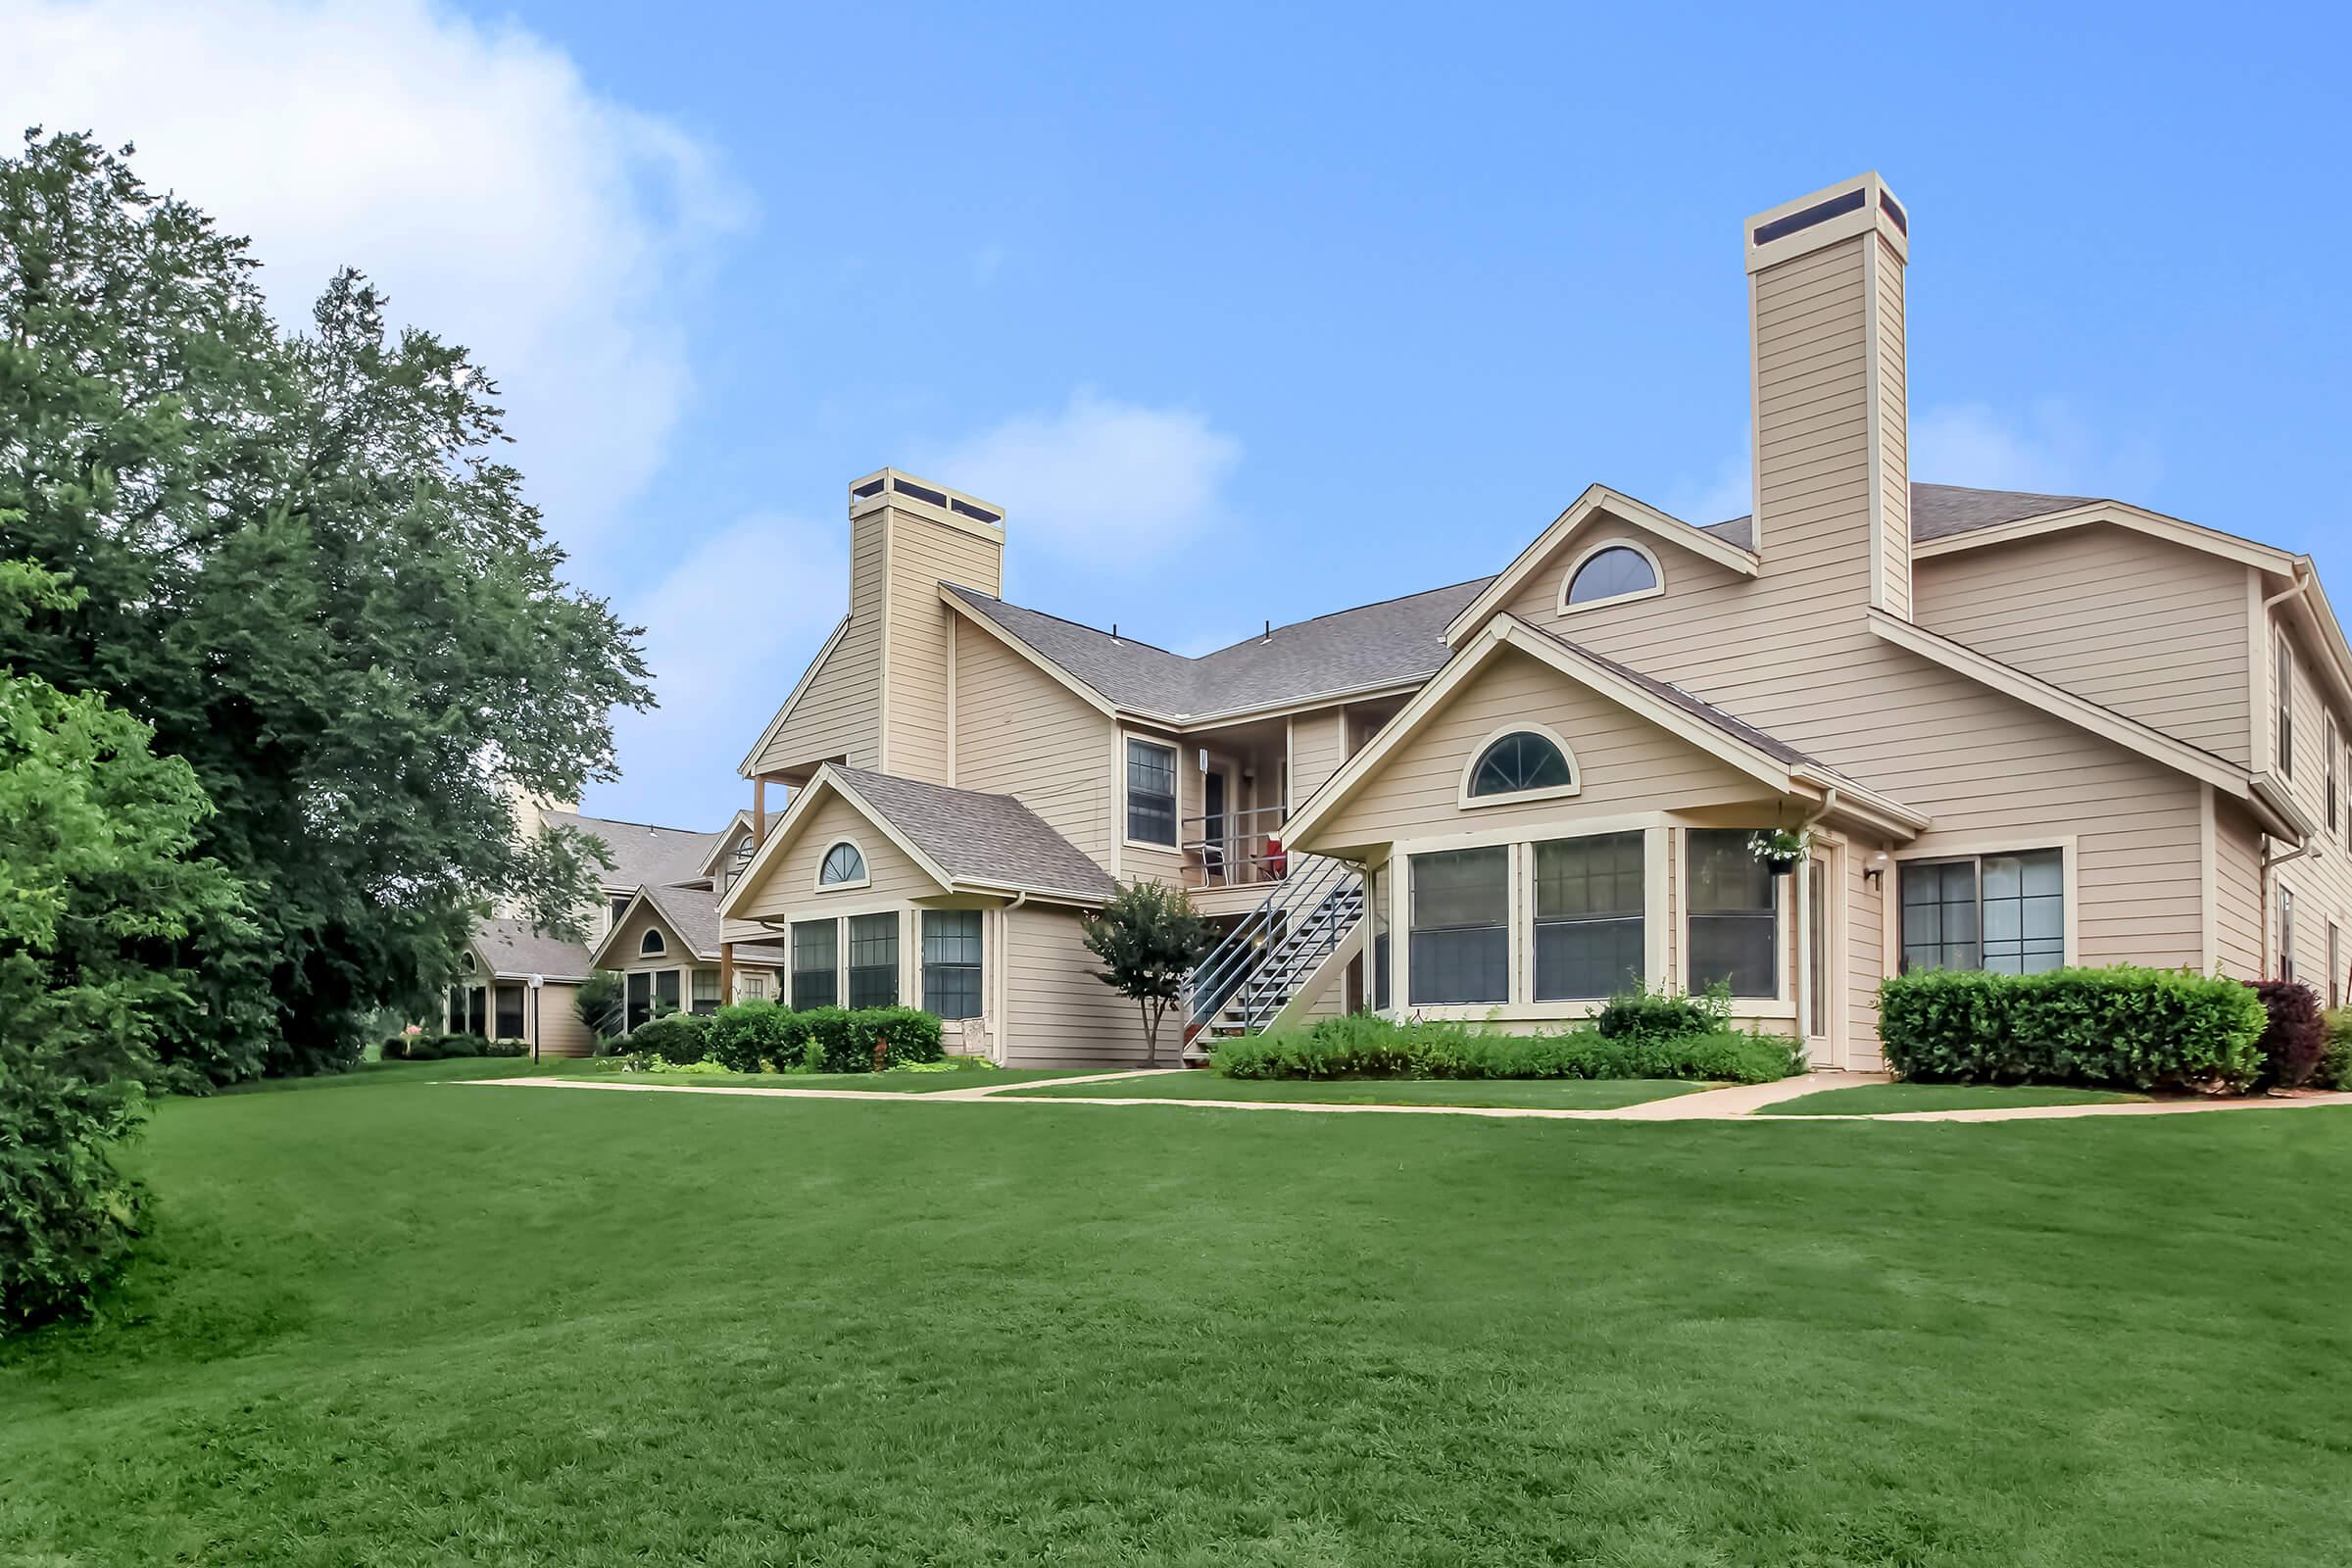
x,y
1251,975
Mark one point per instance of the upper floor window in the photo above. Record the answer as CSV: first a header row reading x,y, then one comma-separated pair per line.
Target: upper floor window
x,y
2328,762
1517,761
844,866
466,961
1618,570
738,862
2286,707
616,906
651,944
1152,793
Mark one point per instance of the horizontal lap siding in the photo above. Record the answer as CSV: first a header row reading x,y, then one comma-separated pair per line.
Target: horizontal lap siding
x,y
1060,1014
1020,732
922,555
1318,746
839,714
2321,882
1893,425
560,1032
1624,764
2151,630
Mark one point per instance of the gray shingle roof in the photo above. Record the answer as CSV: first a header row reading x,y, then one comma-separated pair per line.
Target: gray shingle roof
x,y
642,854
514,949
981,838
1940,511
692,913
1393,643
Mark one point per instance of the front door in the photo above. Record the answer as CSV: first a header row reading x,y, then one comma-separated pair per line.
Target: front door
x,y
640,997
1212,827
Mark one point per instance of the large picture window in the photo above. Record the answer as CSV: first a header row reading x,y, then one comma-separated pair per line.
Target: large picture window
x,y
2004,913
1735,907
951,962
1152,793
874,961
1589,916
815,964
1461,901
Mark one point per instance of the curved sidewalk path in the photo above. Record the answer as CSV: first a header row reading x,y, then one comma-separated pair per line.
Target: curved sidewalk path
x,y
1738,1103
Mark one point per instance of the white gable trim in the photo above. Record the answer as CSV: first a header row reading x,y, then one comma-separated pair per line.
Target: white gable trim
x,y
673,940
1596,501
2194,536
796,816
775,726
1508,632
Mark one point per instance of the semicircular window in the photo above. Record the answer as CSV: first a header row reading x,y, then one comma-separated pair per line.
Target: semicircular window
x,y
1612,573
843,863
1521,760
651,944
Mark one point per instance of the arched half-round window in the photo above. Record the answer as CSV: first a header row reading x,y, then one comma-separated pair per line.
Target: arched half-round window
x,y
844,866
651,944
467,960
1616,569
1522,760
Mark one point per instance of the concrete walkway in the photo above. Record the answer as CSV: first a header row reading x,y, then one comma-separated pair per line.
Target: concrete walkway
x,y
1736,1103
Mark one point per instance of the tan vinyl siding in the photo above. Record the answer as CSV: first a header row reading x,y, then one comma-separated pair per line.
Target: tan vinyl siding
x,y
1624,764
2322,881
624,955
1060,1014
788,891
2241,942
560,1032
1318,746
1020,732
1894,429
1865,958
922,555
2151,630
837,714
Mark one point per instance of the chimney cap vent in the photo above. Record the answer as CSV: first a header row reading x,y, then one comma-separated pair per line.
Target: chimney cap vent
x,y
1828,217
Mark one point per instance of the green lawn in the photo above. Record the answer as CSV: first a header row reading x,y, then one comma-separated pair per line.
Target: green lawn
x,y
404,1323
1870,1100
1560,1093
890,1083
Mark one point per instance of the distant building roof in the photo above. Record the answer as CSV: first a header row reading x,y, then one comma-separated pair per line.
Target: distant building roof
x,y
642,854
516,950
991,839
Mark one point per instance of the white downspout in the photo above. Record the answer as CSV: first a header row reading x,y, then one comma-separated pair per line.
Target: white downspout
x,y
2294,590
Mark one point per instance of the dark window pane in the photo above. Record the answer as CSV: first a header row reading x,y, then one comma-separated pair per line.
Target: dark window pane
x,y
665,991
1523,761
843,863
510,1013
640,985
1465,965
1735,914
1615,571
873,960
1461,886
815,951
951,945
1150,793
1587,959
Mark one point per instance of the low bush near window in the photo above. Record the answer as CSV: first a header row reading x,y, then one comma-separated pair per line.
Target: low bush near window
x,y
676,1037
1641,1014
2335,1055
396,1047
2295,1037
1366,1047
748,1033
2122,1027
508,1047
845,1040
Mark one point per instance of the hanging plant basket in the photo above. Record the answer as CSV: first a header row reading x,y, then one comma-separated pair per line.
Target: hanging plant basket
x,y
1781,850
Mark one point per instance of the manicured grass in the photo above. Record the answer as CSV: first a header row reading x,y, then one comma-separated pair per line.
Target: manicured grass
x,y
1560,1094
1870,1100
421,1324
888,1083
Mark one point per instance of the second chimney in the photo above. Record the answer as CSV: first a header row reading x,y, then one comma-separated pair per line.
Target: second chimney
x,y
1832,497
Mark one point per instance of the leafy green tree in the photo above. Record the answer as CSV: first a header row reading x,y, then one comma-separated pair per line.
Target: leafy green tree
x,y
306,568
105,912
597,1003
1150,938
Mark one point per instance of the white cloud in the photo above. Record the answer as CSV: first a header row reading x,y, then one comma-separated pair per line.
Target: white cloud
x,y
1106,482
1727,493
727,633
467,170
2046,449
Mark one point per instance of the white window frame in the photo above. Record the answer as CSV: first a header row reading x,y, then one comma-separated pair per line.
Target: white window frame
x,y
1657,574
1782,1003
1559,792
2329,777
2336,966
2287,933
659,947
1175,846
2282,718
817,878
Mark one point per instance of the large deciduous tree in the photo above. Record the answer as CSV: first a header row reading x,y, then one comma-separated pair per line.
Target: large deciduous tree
x,y
304,566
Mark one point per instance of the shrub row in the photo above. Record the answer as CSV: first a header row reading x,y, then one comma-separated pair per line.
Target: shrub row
x,y
2115,1027
1366,1047
2335,1056
438,1048
749,1036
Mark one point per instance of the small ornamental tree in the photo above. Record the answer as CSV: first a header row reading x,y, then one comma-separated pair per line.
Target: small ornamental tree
x,y
1150,938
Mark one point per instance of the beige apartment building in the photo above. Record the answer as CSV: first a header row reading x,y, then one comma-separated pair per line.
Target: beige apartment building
x,y
2017,731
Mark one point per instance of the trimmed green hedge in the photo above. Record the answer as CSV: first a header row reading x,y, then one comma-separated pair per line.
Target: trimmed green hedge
x,y
2117,1027
845,1040
2335,1058
1366,1047
677,1038
441,1047
745,1035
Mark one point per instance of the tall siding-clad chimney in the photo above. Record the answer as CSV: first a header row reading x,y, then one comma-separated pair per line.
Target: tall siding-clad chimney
x,y
1825,278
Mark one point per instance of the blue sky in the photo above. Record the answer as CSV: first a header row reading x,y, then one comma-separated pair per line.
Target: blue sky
x,y
1244,315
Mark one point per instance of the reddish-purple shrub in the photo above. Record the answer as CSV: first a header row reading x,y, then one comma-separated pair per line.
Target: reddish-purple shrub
x,y
2298,1036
